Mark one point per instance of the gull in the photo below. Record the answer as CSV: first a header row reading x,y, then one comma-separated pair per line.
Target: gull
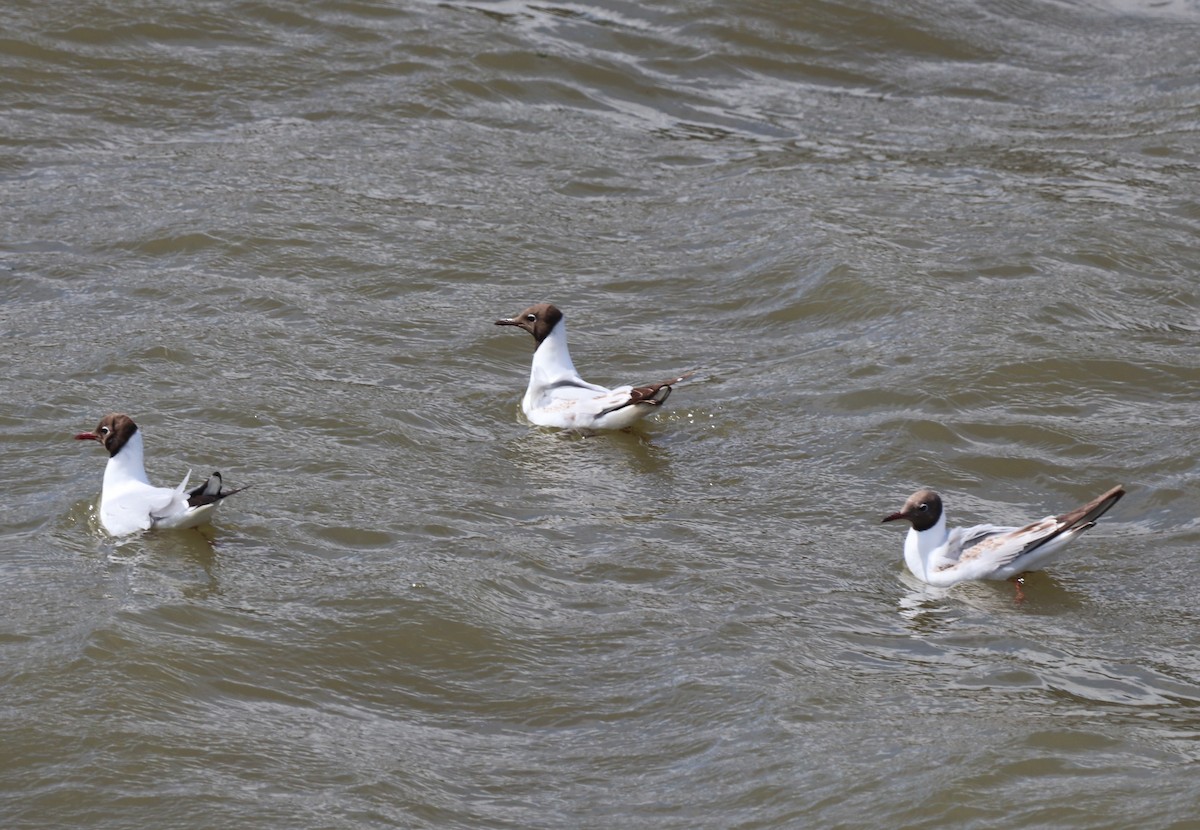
x,y
129,502
558,397
944,557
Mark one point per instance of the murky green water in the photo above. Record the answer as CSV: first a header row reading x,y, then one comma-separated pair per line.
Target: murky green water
x,y
904,244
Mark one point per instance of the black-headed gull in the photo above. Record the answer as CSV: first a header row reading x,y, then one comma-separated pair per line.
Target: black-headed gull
x,y
944,557
129,502
558,397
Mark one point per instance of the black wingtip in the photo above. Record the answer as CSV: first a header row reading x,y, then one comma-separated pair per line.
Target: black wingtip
x,y
211,491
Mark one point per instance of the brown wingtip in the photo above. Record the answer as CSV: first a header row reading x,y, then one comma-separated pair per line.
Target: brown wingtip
x,y
647,393
1094,509
1113,496
652,394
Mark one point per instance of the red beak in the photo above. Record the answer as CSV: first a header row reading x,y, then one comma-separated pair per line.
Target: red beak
x,y
894,516
87,436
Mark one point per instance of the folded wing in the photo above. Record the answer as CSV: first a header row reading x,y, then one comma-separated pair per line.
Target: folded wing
x,y
1004,552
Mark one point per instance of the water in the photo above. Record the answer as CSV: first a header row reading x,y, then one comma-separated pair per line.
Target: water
x,y
904,244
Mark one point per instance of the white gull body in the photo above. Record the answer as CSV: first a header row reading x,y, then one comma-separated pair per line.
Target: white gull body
x,y
558,397
129,502
943,557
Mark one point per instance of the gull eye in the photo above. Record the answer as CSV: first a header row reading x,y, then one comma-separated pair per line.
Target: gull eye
x,y
923,507
104,430
532,318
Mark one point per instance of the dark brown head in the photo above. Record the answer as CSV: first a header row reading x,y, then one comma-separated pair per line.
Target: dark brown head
x,y
539,320
113,433
923,509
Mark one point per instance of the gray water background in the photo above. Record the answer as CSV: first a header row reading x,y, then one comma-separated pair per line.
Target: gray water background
x,y
905,243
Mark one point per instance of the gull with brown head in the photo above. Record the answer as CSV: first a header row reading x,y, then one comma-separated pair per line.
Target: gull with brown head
x,y
944,557
558,397
129,502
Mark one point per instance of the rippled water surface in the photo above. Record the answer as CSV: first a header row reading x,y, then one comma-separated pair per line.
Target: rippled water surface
x,y
902,243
